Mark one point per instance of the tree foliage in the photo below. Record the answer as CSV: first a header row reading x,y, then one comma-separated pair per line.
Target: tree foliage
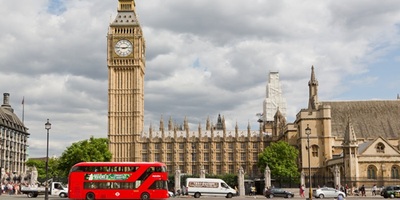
x,y
40,165
281,159
92,150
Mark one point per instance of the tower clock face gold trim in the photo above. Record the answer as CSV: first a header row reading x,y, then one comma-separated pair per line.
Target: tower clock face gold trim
x,y
123,48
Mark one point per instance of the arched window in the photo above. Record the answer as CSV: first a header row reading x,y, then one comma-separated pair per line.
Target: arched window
x,y
314,151
371,172
395,172
380,148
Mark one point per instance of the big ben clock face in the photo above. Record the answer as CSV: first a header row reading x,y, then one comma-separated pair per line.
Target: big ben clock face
x,y
123,48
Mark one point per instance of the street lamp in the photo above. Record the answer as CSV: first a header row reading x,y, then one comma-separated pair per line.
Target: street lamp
x,y
308,132
47,126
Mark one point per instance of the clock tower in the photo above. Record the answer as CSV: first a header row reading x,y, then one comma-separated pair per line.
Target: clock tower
x,y
126,69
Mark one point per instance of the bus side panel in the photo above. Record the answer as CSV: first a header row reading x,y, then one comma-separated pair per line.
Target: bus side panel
x,y
75,186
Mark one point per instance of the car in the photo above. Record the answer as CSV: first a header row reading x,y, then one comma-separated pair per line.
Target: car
x,y
391,191
278,192
328,192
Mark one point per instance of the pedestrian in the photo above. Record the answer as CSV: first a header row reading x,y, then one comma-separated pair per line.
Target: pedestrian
x,y
265,191
183,190
302,191
362,190
352,190
10,188
374,188
17,188
253,190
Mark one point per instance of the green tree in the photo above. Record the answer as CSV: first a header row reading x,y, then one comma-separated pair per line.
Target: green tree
x,y
281,159
92,150
40,165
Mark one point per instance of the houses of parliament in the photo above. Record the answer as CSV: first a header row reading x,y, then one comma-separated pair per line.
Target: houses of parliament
x,y
359,138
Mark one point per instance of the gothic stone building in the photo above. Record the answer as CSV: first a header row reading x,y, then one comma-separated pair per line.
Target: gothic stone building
x,y
214,149
360,138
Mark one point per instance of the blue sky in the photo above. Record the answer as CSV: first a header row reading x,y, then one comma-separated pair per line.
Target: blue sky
x,y
203,58
380,82
56,7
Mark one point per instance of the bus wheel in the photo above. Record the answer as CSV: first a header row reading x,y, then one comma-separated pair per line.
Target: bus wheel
x,y
197,195
145,196
90,196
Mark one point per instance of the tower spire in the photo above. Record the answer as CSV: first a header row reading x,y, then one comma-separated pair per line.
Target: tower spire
x,y
350,137
313,90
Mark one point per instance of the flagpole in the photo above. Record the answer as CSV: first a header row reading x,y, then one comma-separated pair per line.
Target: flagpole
x,y
23,109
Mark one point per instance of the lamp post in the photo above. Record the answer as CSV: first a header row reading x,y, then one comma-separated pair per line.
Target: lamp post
x,y
47,126
308,132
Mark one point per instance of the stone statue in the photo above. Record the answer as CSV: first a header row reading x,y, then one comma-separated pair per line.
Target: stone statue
x,y
267,174
241,182
336,175
177,180
34,176
202,172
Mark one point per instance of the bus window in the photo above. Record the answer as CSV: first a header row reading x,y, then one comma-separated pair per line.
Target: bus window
x,y
138,183
158,185
133,169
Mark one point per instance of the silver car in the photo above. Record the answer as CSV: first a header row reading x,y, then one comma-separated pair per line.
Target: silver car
x,y
327,192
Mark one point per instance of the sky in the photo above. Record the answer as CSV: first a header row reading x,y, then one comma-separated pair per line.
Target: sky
x,y
203,58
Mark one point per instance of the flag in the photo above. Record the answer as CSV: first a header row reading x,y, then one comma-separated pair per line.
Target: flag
x,y
23,100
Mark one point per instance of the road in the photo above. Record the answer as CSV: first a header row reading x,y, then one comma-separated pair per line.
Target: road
x,y
19,197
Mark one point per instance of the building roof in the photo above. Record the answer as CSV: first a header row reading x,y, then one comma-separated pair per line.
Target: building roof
x,y
10,120
125,18
369,119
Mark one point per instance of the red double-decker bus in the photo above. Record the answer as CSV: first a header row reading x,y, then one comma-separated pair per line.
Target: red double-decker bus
x,y
118,180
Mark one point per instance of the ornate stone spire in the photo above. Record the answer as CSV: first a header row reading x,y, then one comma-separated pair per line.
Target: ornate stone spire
x,y
161,124
219,125
313,91
170,124
349,135
185,124
208,125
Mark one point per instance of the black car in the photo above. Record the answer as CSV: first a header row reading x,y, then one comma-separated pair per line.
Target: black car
x,y
277,192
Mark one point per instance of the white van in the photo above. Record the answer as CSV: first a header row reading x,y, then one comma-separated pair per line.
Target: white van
x,y
208,187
